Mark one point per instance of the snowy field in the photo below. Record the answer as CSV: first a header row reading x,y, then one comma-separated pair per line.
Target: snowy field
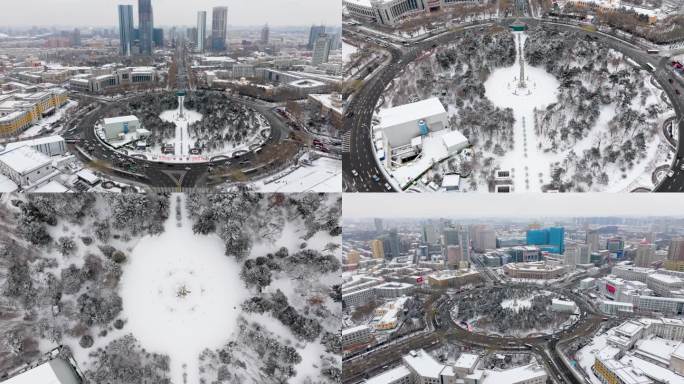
x,y
324,175
181,280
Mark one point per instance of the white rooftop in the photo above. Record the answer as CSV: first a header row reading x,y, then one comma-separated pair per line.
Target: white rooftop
x,y
514,375
466,361
53,372
34,142
423,364
389,376
361,327
410,112
52,187
88,176
120,119
453,139
24,159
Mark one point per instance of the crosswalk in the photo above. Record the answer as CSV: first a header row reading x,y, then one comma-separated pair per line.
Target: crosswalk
x,y
346,142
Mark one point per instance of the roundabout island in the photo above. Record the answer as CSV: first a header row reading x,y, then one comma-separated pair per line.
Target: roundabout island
x,y
545,107
203,139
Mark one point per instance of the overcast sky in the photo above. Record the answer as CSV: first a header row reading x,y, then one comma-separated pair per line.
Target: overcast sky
x,y
170,12
409,205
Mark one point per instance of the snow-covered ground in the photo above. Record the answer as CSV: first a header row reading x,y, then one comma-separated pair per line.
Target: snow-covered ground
x,y
347,51
189,287
182,140
323,175
502,89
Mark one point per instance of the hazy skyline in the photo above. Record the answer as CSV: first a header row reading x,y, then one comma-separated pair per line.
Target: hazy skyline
x,y
368,205
101,13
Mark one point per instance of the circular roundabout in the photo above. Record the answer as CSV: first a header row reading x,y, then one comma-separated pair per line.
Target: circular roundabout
x,y
513,311
554,107
173,128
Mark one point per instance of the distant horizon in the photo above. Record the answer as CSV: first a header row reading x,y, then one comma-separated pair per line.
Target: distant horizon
x,y
507,206
255,26
167,13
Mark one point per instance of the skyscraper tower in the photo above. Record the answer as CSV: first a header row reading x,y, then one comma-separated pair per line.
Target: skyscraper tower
x,y
125,29
314,33
219,28
146,26
265,32
201,30
321,50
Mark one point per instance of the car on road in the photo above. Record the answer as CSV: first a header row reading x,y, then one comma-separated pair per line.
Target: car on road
x,y
670,173
355,172
388,187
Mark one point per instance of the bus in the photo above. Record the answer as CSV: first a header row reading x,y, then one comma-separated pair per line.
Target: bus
x,y
652,51
650,67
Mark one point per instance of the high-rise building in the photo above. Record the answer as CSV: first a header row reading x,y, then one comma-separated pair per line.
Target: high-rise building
x,y
353,257
377,249
146,26
454,256
583,254
316,30
676,249
616,245
450,236
321,50
201,31
483,238
219,28
265,33
645,254
430,233
592,240
126,30
675,255
395,246
378,225
547,239
158,36
76,38
571,256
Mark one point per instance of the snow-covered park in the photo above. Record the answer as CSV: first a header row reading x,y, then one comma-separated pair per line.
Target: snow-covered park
x,y
174,288
556,110
207,125
518,312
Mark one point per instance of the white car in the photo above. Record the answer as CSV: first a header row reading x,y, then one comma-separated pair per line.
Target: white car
x,y
670,173
355,173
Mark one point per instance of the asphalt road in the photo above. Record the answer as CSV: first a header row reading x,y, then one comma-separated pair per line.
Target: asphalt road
x,y
275,153
360,166
445,331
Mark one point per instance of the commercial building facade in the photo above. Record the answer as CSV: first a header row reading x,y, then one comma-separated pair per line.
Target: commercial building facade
x,y
219,29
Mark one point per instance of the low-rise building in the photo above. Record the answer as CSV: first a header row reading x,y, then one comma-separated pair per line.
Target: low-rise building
x,y
25,166
360,334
